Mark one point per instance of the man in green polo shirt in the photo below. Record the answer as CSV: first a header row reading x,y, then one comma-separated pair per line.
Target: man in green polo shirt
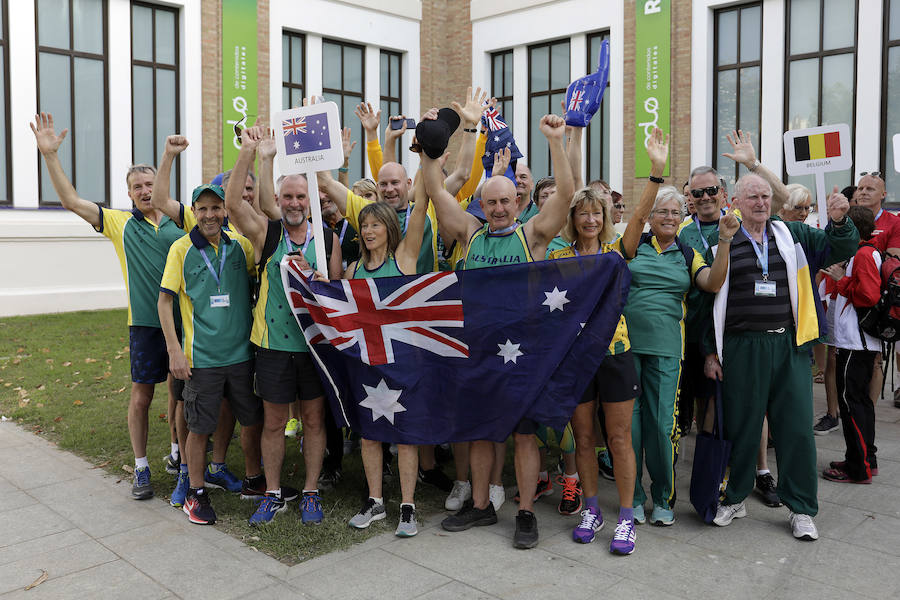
x,y
141,238
210,271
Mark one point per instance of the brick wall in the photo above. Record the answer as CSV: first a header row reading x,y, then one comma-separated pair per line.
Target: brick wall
x,y
680,115
446,55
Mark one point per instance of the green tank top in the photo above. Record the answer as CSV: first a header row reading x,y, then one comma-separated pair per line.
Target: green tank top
x,y
388,268
487,249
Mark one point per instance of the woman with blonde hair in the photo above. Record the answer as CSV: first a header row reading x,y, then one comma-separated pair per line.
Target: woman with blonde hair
x,y
366,188
798,203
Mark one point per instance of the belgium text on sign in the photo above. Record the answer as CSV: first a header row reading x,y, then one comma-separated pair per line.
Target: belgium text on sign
x,y
818,149
308,139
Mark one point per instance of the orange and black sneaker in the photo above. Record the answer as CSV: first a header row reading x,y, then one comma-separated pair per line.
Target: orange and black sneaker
x,y
197,507
570,502
544,488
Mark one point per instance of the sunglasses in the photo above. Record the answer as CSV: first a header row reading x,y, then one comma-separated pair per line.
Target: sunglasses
x,y
709,191
877,174
619,206
803,208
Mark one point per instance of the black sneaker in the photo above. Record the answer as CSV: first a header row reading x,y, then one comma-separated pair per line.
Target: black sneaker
x,y
173,463
436,478
469,516
826,425
526,530
329,478
765,487
197,507
443,454
254,488
605,465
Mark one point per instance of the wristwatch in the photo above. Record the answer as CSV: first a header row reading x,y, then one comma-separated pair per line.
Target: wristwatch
x,y
755,165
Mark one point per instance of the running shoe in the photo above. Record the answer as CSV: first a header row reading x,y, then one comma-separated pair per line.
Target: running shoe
x,y
407,527
311,508
267,509
222,479
639,517
591,523
623,538
726,513
765,486
173,463
662,516
544,488
526,535
570,501
826,425
842,465
370,511
605,465
436,478
198,508
254,488
462,491
469,516
841,476
180,492
292,428
329,478
497,496
141,488
803,528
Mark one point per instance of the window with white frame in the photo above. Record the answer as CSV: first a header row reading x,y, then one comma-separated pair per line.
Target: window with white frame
x,y
72,85
154,85
820,71
343,81
502,83
890,98
597,158
293,69
391,103
548,77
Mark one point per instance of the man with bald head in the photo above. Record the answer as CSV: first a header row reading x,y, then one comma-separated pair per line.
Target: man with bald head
x,y
524,185
763,317
503,241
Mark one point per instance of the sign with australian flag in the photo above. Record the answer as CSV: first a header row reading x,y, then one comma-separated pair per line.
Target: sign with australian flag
x,y
460,356
308,139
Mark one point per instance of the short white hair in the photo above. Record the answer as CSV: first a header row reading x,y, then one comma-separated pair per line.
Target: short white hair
x,y
668,192
744,181
797,193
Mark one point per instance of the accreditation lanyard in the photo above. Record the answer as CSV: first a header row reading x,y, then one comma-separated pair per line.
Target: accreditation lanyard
x,y
343,231
700,230
290,246
761,255
405,221
216,276
504,230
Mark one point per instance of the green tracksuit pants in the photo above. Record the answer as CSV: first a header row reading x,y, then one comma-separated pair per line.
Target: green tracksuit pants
x,y
654,427
765,373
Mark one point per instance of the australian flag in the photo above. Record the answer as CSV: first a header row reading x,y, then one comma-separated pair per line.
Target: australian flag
x,y
306,134
499,136
460,356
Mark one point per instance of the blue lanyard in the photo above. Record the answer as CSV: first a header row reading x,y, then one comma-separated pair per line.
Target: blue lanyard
x,y
287,239
343,231
699,230
504,230
405,222
761,255
209,266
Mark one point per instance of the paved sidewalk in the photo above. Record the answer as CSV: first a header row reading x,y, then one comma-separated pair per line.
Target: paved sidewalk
x,y
59,515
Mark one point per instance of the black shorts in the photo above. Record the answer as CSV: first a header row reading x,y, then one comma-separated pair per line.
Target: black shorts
x,y
204,391
149,359
282,377
616,380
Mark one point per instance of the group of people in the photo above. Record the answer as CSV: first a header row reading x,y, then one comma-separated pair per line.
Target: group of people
x,y
722,296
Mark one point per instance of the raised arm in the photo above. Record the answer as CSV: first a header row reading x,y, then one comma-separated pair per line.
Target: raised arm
x,y
265,183
469,116
456,222
573,151
408,250
336,191
546,224
48,143
743,153
348,146
710,280
248,221
370,119
390,140
175,145
658,151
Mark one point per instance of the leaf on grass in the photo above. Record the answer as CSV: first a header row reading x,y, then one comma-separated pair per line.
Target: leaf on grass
x,y
77,403
20,350
102,377
163,417
120,390
7,384
57,380
57,419
49,361
90,360
68,363
128,469
101,465
40,405
44,576
45,350
23,402
41,387
16,361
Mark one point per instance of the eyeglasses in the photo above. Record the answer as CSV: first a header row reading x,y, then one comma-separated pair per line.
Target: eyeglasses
x,y
619,206
877,174
709,191
668,213
806,208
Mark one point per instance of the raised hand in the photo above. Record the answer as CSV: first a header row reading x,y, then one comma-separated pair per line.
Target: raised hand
x,y
267,148
501,162
176,144
471,112
251,137
741,148
553,127
392,134
346,143
44,135
369,118
728,224
837,205
658,148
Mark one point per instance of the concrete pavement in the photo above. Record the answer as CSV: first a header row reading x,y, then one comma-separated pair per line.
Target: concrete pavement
x,y
59,515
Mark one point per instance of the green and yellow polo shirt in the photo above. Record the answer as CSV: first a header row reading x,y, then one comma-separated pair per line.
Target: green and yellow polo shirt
x,y
215,315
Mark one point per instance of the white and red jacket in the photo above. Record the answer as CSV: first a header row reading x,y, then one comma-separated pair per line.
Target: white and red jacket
x,y
860,287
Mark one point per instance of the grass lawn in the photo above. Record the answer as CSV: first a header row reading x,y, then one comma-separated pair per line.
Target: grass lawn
x,y
66,377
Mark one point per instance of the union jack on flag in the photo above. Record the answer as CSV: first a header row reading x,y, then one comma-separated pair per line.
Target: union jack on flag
x,y
374,319
294,126
576,100
494,120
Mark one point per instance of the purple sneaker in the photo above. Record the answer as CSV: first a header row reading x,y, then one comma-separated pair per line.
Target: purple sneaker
x,y
591,523
623,539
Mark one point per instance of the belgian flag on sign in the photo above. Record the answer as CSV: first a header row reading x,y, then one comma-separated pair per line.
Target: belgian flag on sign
x,y
816,147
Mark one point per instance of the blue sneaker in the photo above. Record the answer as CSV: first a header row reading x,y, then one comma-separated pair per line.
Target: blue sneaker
x,y
662,516
639,516
223,479
267,509
311,508
181,488
141,488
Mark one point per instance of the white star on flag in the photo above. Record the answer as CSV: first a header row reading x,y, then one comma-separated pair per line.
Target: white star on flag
x,y
296,145
496,138
509,352
555,299
383,401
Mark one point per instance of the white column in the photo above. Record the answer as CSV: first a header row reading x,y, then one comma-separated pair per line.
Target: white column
x,y
771,141
21,90
868,133
119,77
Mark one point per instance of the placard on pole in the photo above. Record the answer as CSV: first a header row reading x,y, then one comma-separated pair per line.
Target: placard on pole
x,y
307,140
816,151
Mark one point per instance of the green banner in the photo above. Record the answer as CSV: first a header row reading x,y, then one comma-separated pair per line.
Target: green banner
x,y
652,76
238,73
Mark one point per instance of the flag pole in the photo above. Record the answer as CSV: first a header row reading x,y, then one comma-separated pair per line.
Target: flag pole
x,y
821,199
315,209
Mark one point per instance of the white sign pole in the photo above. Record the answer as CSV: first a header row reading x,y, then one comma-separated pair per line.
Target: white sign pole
x,y
315,208
821,200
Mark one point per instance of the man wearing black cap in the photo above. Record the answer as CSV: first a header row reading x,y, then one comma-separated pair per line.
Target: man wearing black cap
x,y
502,240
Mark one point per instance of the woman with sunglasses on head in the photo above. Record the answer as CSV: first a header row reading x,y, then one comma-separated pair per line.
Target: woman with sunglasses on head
x,y
798,203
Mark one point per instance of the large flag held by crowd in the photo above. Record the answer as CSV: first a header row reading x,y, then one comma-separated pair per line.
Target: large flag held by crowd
x,y
459,356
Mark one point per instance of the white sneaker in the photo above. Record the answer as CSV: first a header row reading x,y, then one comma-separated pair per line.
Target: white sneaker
x,y
497,496
803,528
462,491
726,513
